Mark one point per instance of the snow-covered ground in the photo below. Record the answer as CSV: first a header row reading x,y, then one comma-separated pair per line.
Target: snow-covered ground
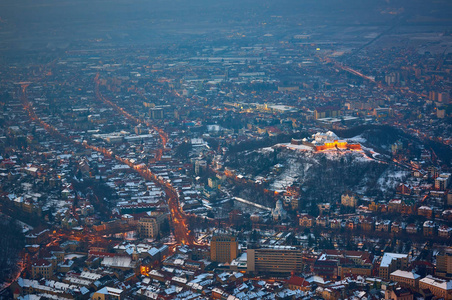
x,y
339,154
265,150
391,178
304,158
356,139
295,147
294,171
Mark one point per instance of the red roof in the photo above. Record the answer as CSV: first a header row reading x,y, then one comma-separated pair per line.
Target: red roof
x,y
41,263
298,281
101,254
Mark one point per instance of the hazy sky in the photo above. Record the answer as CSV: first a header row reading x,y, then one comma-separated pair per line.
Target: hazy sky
x,y
34,23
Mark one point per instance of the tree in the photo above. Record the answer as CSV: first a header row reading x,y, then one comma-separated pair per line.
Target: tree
x,y
183,150
254,237
12,243
292,240
79,174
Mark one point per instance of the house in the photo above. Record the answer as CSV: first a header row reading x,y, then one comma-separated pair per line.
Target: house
x,y
405,278
350,224
349,199
42,268
425,211
399,294
335,224
412,228
108,293
396,227
445,231
37,236
383,226
298,283
306,221
394,205
429,228
439,287
404,189
322,221
366,224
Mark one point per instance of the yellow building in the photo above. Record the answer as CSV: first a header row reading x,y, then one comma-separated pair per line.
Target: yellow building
x,y
223,248
108,293
357,270
406,279
399,294
148,227
438,287
41,268
306,221
374,206
349,199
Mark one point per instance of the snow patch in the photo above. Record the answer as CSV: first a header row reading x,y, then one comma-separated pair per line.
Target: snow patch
x,y
357,139
266,149
391,178
295,147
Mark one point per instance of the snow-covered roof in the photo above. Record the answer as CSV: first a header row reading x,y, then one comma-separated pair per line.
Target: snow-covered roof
x,y
405,274
388,257
439,283
109,291
117,261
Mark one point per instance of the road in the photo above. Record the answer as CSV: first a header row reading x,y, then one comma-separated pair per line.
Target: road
x,y
178,218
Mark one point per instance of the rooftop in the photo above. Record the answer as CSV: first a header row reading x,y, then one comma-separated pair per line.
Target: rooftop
x,y
389,257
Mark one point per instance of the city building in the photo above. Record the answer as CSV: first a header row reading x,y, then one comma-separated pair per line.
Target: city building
x,y
223,248
326,268
306,221
148,227
444,264
326,112
442,181
108,293
298,283
41,268
399,294
279,259
329,140
349,199
438,287
392,262
405,278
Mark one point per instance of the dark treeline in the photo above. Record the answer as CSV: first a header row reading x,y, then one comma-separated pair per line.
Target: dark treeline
x,y
12,243
384,133
265,142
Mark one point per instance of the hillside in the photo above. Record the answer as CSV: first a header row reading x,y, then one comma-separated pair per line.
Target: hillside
x,y
324,175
